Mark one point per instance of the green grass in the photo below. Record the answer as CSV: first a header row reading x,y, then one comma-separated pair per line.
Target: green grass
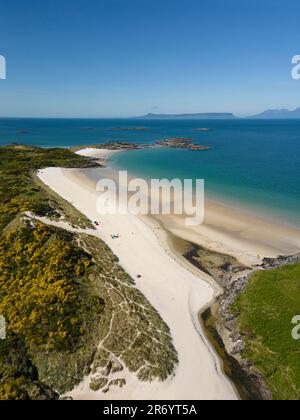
x,y
18,192
265,311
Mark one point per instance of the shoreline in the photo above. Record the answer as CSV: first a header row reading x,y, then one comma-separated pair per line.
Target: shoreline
x,y
242,234
226,229
244,207
168,286
174,287
162,229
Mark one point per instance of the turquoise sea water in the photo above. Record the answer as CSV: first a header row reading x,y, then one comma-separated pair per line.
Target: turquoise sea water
x,y
254,164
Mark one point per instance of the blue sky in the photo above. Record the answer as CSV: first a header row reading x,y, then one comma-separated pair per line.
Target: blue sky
x,y
109,58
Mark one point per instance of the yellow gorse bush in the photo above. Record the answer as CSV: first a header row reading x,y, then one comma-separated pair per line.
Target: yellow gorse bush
x,y
37,293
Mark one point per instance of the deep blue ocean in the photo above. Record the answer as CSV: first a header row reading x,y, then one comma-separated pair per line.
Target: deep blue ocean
x,y
253,164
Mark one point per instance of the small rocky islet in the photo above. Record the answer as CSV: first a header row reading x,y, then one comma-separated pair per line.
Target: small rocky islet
x,y
172,143
181,143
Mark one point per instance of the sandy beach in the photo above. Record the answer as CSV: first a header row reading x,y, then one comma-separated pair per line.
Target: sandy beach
x,y
101,154
177,292
226,229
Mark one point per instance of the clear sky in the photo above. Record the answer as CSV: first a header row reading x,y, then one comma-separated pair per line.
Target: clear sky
x,y
106,58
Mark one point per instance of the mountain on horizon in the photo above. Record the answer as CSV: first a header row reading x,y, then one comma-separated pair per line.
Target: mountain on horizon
x,y
198,116
278,114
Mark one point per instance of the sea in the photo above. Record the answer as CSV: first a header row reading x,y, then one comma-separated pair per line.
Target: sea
x,y
251,164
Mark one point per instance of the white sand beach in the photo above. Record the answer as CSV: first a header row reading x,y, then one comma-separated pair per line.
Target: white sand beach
x,y
227,230
101,154
177,293
174,288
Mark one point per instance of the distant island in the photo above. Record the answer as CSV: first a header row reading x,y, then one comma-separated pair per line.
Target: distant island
x,y
130,129
273,114
284,114
199,116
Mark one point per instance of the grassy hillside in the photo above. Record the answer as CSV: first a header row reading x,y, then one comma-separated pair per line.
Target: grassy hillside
x,y
265,311
63,293
18,193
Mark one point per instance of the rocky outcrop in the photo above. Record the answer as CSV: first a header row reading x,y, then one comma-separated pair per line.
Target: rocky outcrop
x,y
181,143
226,321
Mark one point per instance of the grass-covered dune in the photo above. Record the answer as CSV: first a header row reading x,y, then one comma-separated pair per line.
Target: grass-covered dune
x,y
265,312
18,192
70,309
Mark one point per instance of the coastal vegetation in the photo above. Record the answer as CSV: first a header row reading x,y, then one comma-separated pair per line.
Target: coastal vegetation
x,y
70,309
265,312
18,192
